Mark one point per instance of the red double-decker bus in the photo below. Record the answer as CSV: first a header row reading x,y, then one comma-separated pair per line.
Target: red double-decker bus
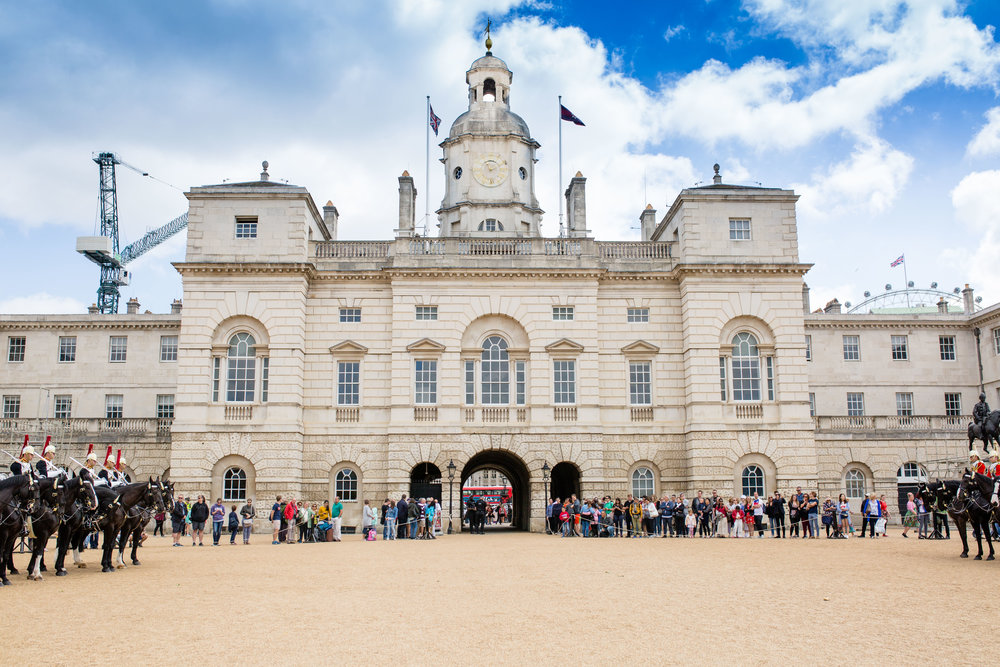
x,y
494,495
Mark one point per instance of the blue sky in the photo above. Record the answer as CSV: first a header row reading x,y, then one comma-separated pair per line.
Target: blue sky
x,y
883,115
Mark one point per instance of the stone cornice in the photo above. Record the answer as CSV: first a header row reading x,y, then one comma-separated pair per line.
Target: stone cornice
x,y
270,268
90,322
895,322
499,272
731,268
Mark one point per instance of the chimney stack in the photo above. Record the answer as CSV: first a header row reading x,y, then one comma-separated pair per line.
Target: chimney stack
x,y
576,207
832,308
175,306
132,307
647,222
92,309
330,217
968,303
805,298
407,206
942,306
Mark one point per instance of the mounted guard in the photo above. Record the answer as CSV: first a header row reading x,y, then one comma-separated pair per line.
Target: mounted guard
x,y
45,466
107,473
22,466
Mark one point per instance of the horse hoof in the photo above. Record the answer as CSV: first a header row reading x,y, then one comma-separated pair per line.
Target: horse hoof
x,y
43,569
81,565
135,562
990,557
980,557
121,567
963,555
5,582
14,572
61,573
107,569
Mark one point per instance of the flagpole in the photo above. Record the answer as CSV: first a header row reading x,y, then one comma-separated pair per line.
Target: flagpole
x,y
906,282
559,185
427,166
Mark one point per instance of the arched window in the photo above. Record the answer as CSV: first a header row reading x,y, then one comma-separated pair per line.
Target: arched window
x,y
753,481
346,485
911,472
495,372
234,484
490,225
642,482
854,483
241,369
489,90
746,368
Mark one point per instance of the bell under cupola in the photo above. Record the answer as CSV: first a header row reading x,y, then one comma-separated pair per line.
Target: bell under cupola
x,y
489,160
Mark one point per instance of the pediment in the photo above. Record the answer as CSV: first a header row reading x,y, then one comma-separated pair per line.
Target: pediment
x,y
564,346
348,347
425,345
640,347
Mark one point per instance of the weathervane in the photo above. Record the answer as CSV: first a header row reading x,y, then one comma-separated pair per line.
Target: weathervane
x,y
489,42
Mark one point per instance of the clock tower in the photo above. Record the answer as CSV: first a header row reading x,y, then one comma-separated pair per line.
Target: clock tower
x,y
489,160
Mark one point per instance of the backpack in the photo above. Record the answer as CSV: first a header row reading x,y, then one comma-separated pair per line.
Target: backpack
x,y
371,535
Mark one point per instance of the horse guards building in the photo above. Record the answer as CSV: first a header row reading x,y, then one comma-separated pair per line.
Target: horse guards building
x,y
310,367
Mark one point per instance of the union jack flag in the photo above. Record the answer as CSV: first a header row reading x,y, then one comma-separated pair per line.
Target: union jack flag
x,y
433,120
899,260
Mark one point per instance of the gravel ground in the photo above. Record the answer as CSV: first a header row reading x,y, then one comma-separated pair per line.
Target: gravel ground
x,y
514,598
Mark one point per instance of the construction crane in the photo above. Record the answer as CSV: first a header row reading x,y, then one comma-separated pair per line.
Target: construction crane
x,y
103,249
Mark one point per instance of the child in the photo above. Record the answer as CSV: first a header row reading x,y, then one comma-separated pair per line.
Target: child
x,y
690,521
738,520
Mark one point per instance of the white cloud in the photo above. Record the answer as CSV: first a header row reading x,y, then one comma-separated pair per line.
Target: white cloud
x,y
673,31
987,140
41,303
869,181
977,206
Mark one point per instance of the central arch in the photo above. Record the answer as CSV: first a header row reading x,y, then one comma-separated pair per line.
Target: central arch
x,y
515,471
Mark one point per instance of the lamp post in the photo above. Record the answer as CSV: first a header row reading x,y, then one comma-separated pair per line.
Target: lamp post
x,y
451,495
545,478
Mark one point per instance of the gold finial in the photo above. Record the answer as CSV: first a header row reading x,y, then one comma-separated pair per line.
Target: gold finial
x,y
489,42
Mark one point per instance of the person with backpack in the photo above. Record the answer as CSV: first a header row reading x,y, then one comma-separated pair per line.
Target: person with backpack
x,y
234,525
368,519
247,513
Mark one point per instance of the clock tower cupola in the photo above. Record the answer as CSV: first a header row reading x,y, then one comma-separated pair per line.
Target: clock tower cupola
x,y
489,160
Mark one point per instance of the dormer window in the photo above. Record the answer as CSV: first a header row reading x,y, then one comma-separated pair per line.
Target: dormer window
x,y
489,90
490,225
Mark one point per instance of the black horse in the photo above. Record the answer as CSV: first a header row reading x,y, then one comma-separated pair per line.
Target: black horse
x,y
75,525
58,501
113,509
988,431
137,519
973,497
18,496
942,494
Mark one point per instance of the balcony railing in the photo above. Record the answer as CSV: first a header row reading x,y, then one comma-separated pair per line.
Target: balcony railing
x,y
749,411
564,413
239,413
633,250
349,415
642,414
870,423
83,427
352,249
427,413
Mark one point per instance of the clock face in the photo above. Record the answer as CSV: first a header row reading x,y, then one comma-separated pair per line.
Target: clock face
x,y
490,169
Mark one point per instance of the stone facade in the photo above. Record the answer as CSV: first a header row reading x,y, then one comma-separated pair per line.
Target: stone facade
x,y
312,366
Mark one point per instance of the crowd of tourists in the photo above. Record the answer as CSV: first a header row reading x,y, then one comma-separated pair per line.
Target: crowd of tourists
x,y
800,515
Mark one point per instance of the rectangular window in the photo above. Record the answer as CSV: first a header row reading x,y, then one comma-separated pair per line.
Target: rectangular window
x,y
638,315
117,348
640,384
812,404
348,383
562,312
770,377
855,404
953,404
809,348
470,382
216,363
67,348
350,314
425,382
246,228
852,348
114,406
899,348
722,379
520,381
241,379
427,312
164,406
996,341
564,380
11,407
15,348
746,378
739,229
904,404
947,345
64,406
264,366
168,348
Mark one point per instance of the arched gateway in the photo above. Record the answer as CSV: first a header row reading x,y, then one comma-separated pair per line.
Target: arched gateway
x,y
516,472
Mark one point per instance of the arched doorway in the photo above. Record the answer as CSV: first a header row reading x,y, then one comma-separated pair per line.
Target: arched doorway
x,y
513,470
565,481
425,481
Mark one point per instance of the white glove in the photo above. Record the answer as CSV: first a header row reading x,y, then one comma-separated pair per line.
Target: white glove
x,y
994,500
